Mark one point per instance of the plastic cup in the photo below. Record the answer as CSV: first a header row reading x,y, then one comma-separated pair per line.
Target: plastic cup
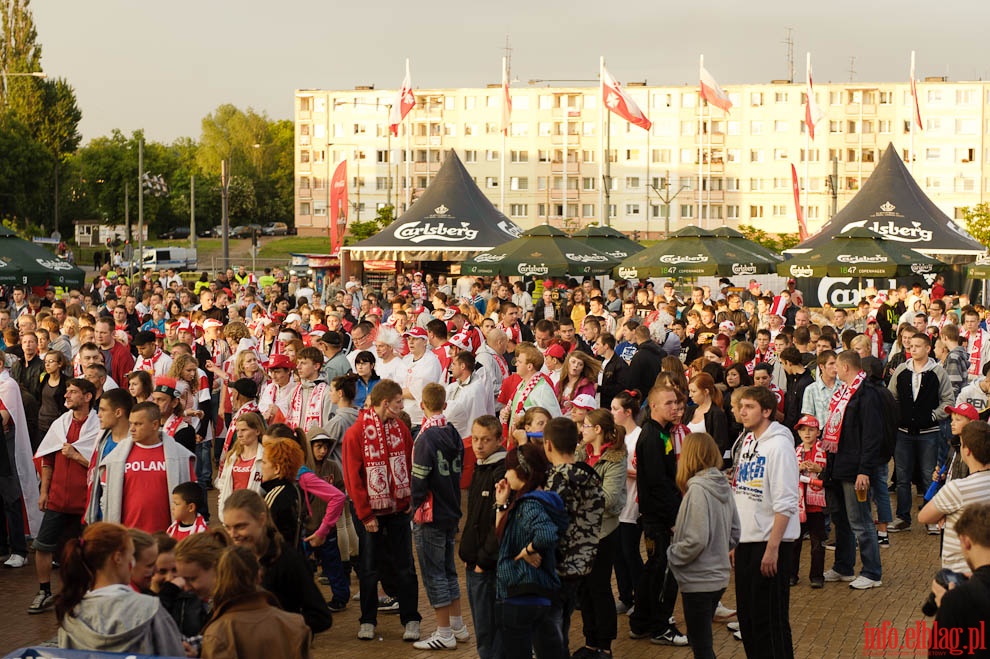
x,y
861,495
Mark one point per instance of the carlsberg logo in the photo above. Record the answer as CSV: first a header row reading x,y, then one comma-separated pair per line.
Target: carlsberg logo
x,y
53,264
628,273
531,270
586,258
417,232
489,258
670,258
743,269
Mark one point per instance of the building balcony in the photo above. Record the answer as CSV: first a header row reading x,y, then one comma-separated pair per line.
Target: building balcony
x,y
561,168
426,167
559,195
571,139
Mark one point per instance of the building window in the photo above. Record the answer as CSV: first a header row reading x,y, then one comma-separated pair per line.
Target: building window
x,y
756,99
779,210
519,129
732,212
304,209
491,181
381,183
469,102
756,155
687,211
781,126
756,128
519,183
519,156
632,154
491,155
304,155
755,211
632,210
587,210
470,155
588,183
518,210
780,154
780,97
632,182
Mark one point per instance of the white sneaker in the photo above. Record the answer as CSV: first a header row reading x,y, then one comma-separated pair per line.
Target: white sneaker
x,y
732,626
832,575
933,529
436,642
16,560
462,634
723,614
737,635
366,631
865,583
411,632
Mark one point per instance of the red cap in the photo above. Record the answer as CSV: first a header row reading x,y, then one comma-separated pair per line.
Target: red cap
x,y
556,350
416,333
807,420
278,317
964,409
211,322
377,311
320,327
281,361
184,325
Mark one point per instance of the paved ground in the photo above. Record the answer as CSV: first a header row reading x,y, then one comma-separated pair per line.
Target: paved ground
x,y
825,623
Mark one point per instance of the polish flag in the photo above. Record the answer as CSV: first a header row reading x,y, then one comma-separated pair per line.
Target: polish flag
x,y
620,103
405,101
711,92
812,112
914,96
338,207
802,227
506,98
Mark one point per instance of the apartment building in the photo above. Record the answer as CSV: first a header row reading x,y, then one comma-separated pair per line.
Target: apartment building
x,y
553,153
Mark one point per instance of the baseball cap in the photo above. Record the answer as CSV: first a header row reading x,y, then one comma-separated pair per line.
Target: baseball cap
x,y
807,420
166,385
556,351
211,322
415,333
585,402
460,340
727,327
245,387
281,361
293,318
964,409
184,325
278,317
332,338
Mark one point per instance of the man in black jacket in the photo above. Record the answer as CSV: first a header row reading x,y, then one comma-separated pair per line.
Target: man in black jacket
x,y
479,544
615,371
798,379
659,500
646,363
856,420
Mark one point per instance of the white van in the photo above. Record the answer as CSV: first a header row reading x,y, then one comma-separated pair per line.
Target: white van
x,y
162,258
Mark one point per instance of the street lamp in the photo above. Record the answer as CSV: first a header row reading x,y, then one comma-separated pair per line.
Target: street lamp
x,y
667,199
31,74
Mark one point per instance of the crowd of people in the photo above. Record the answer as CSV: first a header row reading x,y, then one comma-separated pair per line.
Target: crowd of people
x,y
545,434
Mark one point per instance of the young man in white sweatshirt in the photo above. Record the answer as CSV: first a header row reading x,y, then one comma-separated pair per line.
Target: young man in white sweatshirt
x,y
765,487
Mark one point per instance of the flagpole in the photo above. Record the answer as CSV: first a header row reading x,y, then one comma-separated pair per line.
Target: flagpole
x,y
701,66
807,142
408,152
505,130
601,144
914,112
708,204
563,212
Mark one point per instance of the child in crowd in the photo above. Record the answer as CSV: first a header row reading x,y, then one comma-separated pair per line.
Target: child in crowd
x,y
580,407
145,558
328,555
811,462
165,569
953,466
533,422
187,502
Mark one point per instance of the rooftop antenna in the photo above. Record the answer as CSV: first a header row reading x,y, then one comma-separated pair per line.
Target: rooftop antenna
x,y
852,68
508,60
789,53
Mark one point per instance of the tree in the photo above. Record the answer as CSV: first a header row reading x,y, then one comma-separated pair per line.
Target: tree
x,y
19,53
24,165
776,242
358,231
977,220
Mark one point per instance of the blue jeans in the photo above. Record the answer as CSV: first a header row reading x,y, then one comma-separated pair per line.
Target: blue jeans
x,y
204,463
880,494
945,434
853,522
328,557
435,548
481,596
392,544
529,628
909,452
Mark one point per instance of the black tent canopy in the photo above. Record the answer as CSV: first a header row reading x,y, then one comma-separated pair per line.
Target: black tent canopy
x,y
892,204
450,221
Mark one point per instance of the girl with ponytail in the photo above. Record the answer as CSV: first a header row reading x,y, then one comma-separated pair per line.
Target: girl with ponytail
x,y
604,450
98,610
628,561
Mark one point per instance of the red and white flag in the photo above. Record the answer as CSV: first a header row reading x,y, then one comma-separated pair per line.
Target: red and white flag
x,y
812,112
711,92
405,101
914,96
802,227
617,101
506,98
338,207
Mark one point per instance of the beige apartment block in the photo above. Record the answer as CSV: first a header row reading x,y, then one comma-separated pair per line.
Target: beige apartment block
x,y
553,152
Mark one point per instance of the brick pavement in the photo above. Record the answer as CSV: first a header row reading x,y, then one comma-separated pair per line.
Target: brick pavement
x,y
825,623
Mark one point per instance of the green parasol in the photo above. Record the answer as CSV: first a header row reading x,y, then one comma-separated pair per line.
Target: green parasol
x,y
608,240
694,252
859,252
737,238
543,251
25,263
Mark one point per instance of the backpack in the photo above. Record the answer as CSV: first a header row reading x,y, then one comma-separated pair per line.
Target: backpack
x,y
891,418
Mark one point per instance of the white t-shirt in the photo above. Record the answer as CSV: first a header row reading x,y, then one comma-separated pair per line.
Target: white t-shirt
x,y
393,370
973,395
419,373
630,511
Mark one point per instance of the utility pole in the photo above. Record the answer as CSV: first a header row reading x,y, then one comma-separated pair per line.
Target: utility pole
x,y
667,199
192,210
224,210
789,53
852,69
140,254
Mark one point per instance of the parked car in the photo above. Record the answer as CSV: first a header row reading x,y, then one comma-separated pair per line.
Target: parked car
x,y
175,233
244,231
158,258
275,229
208,232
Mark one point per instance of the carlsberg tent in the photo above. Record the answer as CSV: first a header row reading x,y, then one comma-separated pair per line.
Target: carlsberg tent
x,y
450,221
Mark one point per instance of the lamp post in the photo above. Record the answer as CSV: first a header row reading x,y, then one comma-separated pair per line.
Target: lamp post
x,y
31,74
667,199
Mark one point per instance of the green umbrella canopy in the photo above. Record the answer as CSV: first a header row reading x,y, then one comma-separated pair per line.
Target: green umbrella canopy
x,y
611,241
739,239
859,252
694,252
979,270
25,263
543,251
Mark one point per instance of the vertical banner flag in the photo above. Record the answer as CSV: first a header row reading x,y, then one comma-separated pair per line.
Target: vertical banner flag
x,y
914,95
404,101
812,112
617,101
338,207
802,227
711,92
506,98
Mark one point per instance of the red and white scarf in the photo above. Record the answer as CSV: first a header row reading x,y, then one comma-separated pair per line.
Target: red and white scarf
x,y
385,465
975,351
768,356
172,426
272,392
513,332
836,412
438,421
314,408
149,364
249,406
528,389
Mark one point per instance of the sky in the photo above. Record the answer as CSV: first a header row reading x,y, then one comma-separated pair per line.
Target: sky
x,y
163,66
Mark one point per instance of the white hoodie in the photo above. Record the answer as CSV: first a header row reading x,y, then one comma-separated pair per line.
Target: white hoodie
x,y
766,483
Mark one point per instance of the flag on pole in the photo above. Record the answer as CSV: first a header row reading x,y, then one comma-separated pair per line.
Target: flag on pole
x,y
812,111
914,96
620,103
711,92
802,227
338,207
405,101
506,98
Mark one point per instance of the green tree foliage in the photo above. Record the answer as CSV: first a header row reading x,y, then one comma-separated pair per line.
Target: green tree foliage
x,y
24,167
977,220
777,242
357,231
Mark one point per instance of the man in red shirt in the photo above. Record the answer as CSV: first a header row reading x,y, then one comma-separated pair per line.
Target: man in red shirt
x,y
65,453
117,357
139,475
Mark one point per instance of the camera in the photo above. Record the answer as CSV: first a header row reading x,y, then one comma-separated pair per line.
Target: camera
x,y
943,578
